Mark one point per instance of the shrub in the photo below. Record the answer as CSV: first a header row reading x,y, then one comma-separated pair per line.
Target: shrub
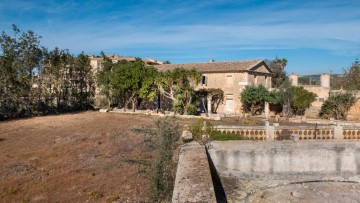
x,y
198,129
337,105
191,109
164,136
301,100
216,135
254,98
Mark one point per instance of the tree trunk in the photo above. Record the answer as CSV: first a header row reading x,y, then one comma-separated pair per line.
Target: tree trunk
x,y
133,103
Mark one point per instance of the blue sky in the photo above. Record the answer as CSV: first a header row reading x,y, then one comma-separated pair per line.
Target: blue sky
x,y
314,36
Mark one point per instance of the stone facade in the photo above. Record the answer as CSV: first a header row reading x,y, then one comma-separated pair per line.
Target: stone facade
x,y
231,77
321,91
96,64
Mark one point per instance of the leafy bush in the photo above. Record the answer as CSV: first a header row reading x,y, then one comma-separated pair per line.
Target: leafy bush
x,y
337,105
254,98
198,129
192,109
301,100
294,100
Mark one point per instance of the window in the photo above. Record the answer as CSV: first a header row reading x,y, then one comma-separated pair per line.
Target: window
x,y
229,80
204,80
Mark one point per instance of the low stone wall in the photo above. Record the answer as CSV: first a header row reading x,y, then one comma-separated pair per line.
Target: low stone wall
x,y
167,113
277,132
193,181
248,159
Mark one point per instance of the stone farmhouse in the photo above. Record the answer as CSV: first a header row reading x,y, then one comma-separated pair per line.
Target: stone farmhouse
x,y
231,77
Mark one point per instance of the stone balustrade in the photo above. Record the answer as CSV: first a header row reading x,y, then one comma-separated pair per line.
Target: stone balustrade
x,y
276,132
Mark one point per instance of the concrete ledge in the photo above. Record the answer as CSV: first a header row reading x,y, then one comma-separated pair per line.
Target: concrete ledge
x,y
285,160
193,181
215,117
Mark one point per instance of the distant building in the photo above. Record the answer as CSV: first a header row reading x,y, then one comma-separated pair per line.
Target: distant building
x,y
322,91
95,61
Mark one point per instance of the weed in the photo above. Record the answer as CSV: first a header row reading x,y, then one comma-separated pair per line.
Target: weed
x,y
137,161
24,200
186,140
95,194
216,135
199,128
203,127
252,121
112,198
11,190
164,136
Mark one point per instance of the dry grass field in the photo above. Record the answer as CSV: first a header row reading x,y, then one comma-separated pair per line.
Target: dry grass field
x,y
83,157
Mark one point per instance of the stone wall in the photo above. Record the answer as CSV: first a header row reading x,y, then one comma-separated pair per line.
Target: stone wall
x,y
247,159
232,83
193,181
354,112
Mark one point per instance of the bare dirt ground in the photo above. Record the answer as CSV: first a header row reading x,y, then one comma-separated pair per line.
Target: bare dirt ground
x,y
84,157
301,191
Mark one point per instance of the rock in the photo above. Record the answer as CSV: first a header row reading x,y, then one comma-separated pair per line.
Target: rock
x,y
186,136
204,138
296,194
294,137
325,194
104,110
216,118
277,118
354,178
303,119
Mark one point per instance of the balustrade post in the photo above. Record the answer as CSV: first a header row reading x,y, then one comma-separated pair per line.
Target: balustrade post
x,y
338,131
269,130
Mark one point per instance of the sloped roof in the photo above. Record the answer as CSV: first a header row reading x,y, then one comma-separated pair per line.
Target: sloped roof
x,y
213,67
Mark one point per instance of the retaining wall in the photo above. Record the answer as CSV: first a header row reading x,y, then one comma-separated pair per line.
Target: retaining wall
x,y
249,159
193,181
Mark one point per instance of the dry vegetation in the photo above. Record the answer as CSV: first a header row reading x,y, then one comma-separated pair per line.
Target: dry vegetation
x,y
84,157
81,157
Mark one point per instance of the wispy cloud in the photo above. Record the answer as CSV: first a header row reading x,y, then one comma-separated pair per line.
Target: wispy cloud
x,y
188,29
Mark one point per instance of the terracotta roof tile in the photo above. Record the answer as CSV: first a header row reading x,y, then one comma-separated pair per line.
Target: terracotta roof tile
x,y
231,66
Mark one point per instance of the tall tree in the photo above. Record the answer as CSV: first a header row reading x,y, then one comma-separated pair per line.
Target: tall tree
x,y
286,94
21,57
84,81
278,68
103,79
351,79
133,81
178,85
